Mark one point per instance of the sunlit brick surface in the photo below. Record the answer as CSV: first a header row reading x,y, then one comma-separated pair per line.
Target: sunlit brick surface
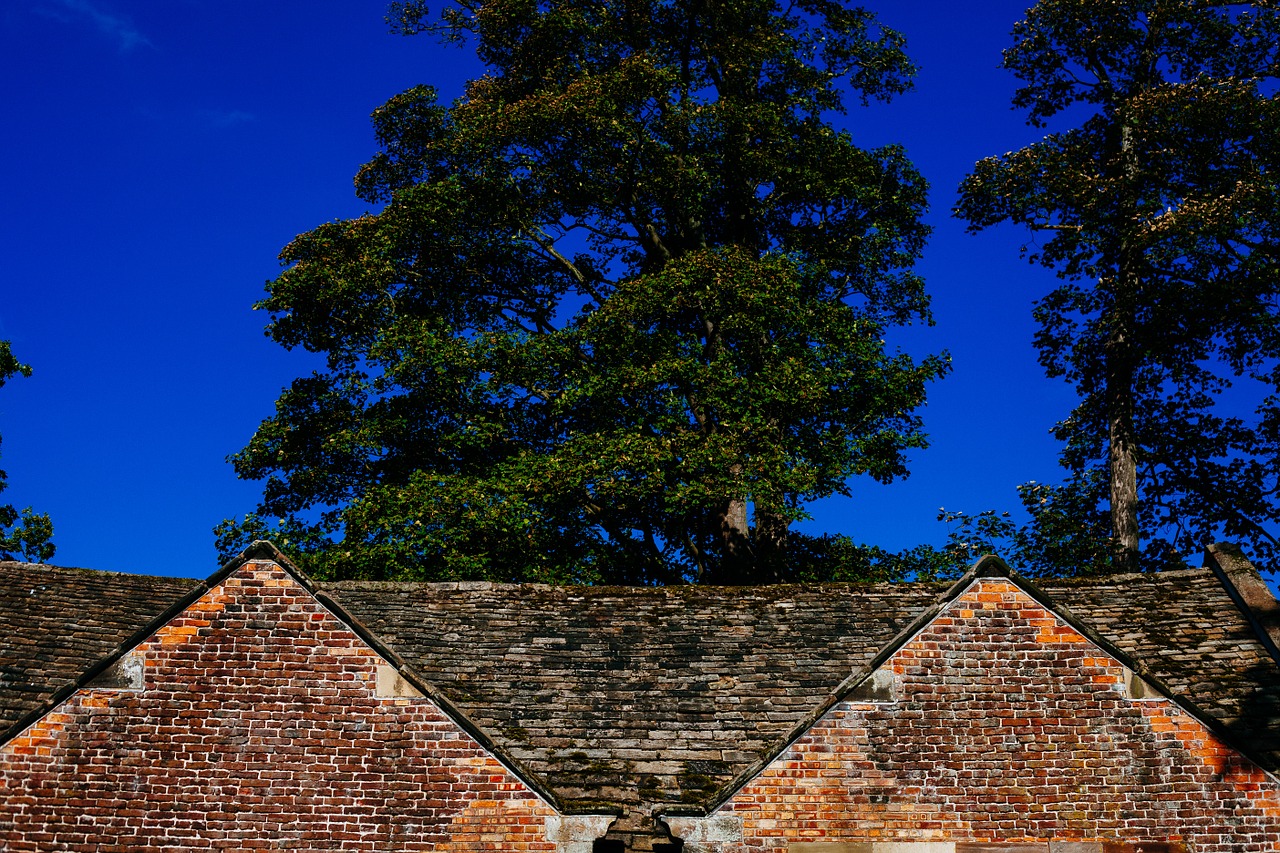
x,y
1009,727
258,728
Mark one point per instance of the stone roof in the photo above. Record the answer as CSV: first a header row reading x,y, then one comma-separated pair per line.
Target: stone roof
x,y
1183,631
56,624
619,695
609,697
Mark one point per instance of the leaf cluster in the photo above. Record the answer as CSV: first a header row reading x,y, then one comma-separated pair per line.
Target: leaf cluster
x,y
1160,211
632,279
24,534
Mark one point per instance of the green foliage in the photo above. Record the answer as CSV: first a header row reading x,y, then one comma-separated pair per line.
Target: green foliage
x,y
1067,534
841,560
621,313
23,534
1160,211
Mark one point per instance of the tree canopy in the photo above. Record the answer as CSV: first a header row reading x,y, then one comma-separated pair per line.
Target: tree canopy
x,y
1159,208
24,535
620,312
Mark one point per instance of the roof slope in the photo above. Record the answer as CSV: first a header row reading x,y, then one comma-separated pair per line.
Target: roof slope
x,y
1185,631
625,694
56,624
611,697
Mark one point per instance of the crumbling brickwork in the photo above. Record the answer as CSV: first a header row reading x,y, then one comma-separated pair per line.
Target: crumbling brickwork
x,y
258,727
1009,727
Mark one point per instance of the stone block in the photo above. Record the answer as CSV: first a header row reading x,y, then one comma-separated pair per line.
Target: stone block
x,y
393,685
577,833
717,829
878,687
124,674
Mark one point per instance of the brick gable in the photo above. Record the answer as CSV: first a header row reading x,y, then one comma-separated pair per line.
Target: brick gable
x,y
259,726
1006,725
259,711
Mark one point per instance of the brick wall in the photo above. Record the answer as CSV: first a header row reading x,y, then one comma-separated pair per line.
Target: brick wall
x,y
259,727
1009,727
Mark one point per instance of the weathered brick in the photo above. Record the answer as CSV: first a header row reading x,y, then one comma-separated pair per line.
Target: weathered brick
x,y
997,739
228,746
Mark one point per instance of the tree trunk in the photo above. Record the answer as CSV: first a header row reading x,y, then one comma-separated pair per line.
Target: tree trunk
x,y
737,560
771,546
1122,446
1122,452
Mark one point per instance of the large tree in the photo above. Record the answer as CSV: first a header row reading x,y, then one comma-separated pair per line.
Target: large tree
x,y
1159,208
23,534
621,311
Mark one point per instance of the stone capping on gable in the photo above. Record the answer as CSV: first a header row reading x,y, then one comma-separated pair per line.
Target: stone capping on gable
x,y
262,550
1249,593
988,566
1238,577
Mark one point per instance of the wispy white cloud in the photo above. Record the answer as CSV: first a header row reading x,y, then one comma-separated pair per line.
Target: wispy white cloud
x,y
115,27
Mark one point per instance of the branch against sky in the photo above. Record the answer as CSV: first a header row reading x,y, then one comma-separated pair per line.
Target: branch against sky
x,y
23,534
622,312
1159,208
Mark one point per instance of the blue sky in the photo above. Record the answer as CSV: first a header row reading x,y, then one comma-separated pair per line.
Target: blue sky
x,y
160,154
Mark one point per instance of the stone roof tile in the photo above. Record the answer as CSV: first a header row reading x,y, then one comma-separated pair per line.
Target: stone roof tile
x,y
618,696
56,623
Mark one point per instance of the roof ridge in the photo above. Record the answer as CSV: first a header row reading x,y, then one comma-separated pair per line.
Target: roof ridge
x,y
47,567
1102,579
464,586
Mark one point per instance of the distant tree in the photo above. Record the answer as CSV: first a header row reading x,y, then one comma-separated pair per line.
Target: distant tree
x,y
622,314
23,534
1160,211
1067,534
